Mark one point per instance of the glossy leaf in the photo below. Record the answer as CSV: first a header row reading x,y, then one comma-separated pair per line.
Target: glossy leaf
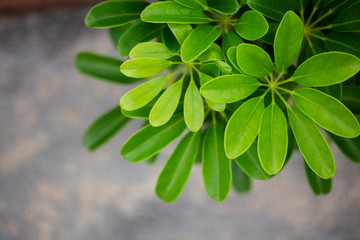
x,y
204,78
349,19
198,41
312,144
231,54
195,4
351,98
193,108
150,49
166,105
240,181
317,185
172,12
216,167
288,40
226,7
137,33
229,88
326,69
144,67
143,94
253,60
243,127
344,42
272,139
114,13
149,140
176,171
180,31
213,53
103,128
328,112
102,67
251,25
350,147
249,162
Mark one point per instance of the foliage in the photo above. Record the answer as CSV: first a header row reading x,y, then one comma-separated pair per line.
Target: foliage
x,y
250,80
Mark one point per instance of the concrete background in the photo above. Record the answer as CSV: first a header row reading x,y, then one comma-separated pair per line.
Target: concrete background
x,y
52,188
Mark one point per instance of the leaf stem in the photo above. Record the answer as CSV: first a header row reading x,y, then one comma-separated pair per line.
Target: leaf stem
x,y
278,77
175,72
286,81
282,99
224,116
286,90
311,15
321,18
322,28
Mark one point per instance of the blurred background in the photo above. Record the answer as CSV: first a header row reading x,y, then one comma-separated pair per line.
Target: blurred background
x,y
52,188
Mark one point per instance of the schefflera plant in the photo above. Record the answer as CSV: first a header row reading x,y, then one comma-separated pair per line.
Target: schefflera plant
x,y
229,94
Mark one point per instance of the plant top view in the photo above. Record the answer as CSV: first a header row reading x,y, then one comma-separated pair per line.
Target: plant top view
x,y
243,84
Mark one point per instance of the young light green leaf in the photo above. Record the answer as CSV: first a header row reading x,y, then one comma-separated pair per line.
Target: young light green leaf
x,y
328,112
226,7
176,171
243,127
149,140
150,49
253,60
170,41
225,68
137,33
317,185
216,167
240,180
231,54
102,67
144,67
143,112
114,13
349,19
143,94
204,78
312,144
249,162
350,147
326,69
344,42
180,31
288,40
350,98
193,108
103,128
166,105
213,53
172,12
195,4
198,41
272,139
251,25
229,88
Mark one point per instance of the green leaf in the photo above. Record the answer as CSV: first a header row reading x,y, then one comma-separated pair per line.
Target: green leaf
x,y
116,32
176,171
253,60
273,139
312,144
240,180
114,13
251,25
165,107
249,162
226,7
195,4
230,39
243,127
204,78
216,167
351,98
317,185
344,42
348,20
333,90
274,9
288,40
350,147
193,108
150,49
103,128
144,67
213,53
328,112
170,41
180,31
211,69
143,94
326,69
229,88
137,33
143,112
198,41
225,68
172,12
321,3
231,54
149,140
269,37
102,67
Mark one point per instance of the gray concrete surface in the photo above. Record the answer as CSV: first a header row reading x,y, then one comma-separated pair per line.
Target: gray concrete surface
x,y
52,188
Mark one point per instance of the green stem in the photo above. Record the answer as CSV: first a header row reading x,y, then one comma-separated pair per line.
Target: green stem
x,y
278,77
281,97
175,72
311,15
322,28
286,90
321,18
286,81
224,116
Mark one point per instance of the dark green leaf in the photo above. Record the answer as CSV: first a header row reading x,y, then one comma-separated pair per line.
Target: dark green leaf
x,y
180,31
317,185
351,98
274,9
333,90
344,42
269,37
240,180
349,19
350,147
170,41
116,32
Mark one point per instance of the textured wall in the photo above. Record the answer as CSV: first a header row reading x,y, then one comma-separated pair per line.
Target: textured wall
x,y
52,188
